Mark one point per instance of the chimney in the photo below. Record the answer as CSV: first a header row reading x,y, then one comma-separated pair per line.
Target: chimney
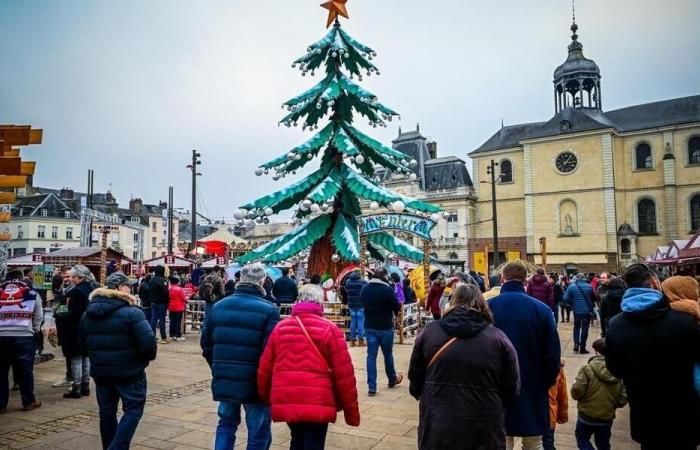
x,y
66,194
109,197
163,205
135,205
432,149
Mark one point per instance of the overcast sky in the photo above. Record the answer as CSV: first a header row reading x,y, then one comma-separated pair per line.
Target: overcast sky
x,y
130,87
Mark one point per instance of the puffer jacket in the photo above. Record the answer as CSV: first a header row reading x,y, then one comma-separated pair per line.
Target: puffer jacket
x,y
539,288
294,380
558,401
234,335
353,286
581,298
117,337
597,391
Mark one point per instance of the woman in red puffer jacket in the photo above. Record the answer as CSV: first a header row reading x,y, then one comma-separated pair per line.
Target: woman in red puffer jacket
x,y
308,379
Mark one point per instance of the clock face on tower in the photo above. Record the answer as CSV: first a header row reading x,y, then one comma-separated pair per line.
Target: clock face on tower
x,y
566,162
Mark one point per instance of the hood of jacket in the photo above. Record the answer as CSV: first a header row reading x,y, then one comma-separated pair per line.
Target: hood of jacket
x,y
539,279
597,364
614,294
463,323
354,275
104,302
307,308
641,299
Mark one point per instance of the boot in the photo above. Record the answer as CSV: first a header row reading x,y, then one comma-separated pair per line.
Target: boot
x,y
74,392
361,342
85,389
353,343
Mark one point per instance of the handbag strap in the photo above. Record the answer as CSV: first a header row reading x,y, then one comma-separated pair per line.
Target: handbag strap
x,y
441,350
306,333
583,294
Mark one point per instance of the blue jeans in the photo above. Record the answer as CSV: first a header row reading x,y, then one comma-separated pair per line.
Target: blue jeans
x,y
117,436
357,323
257,420
375,340
158,311
581,324
600,432
548,440
18,353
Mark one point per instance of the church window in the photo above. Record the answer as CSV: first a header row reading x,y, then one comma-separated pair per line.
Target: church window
x,y
506,171
646,215
453,255
625,246
695,212
642,156
694,150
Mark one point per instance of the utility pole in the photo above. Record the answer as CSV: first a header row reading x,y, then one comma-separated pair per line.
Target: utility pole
x,y
195,162
491,170
543,252
170,220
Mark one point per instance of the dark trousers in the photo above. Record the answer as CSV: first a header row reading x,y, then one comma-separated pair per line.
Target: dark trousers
x,y
18,353
600,432
565,312
548,440
581,325
117,436
158,311
308,436
175,324
147,313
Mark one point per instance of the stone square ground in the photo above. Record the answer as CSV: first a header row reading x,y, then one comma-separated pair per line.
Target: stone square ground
x,y
180,413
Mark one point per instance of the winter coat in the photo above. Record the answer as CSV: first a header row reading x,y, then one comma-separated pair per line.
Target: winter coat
x,y
610,306
432,304
539,288
380,305
285,290
353,286
178,299
117,337
580,296
529,324
558,401
233,338
296,382
597,391
463,395
652,349
143,295
211,288
158,289
197,275
557,294
408,293
68,326
398,291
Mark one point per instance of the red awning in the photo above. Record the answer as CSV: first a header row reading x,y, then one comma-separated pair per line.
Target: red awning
x,y
217,248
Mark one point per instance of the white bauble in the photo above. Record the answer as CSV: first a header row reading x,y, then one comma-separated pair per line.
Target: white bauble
x,y
413,177
268,211
435,217
259,171
303,207
398,206
374,206
335,257
248,222
445,214
315,208
306,202
290,156
265,220
239,214
275,177
309,155
413,163
359,159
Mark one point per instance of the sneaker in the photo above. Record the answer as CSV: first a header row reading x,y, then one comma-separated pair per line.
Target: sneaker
x,y
168,340
584,352
575,348
372,393
33,405
353,343
163,341
399,379
63,383
361,342
180,339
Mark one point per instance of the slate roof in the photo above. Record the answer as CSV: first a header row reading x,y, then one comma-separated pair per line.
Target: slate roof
x,y
639,117
448,172
98,198
32,206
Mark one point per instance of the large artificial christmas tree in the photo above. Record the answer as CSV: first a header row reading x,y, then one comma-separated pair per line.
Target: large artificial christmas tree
x,y
329,199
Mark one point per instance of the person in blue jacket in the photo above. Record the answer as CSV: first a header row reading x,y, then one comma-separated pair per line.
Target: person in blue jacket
x,y
529,324
353,287
285,289
581,297
233,338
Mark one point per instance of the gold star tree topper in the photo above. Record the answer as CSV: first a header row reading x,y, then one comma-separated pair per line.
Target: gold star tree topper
x,y
335,8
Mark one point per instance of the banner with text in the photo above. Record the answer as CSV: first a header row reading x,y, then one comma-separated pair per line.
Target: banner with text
x,y
418,225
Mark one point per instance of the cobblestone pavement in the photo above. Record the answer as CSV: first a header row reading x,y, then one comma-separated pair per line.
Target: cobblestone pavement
x,y
180,413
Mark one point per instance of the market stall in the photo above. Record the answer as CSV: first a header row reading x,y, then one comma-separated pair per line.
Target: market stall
x,y
90,257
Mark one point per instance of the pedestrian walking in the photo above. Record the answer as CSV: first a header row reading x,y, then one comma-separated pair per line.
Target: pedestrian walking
x,y
176,308
565,304
558,408
285,289
158,294
353,287
530,326
144,296
464,372
381,306
58,305
646,344
557,296
610,302
581,297
306,373
598,394
20,318
233,338
540,288
121,343
68,326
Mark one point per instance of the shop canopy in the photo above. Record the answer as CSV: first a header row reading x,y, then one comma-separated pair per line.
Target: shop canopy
x,y
169,261
219,242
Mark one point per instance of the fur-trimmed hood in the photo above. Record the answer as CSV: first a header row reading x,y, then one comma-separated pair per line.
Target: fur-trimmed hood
x,y
113,293
104,302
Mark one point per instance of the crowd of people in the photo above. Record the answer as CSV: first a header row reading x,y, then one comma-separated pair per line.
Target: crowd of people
x,y
487,369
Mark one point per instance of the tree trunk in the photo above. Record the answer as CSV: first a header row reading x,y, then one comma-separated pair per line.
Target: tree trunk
x,y
320,257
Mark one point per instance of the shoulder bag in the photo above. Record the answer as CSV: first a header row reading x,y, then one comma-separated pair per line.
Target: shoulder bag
x,y
440,351
588,302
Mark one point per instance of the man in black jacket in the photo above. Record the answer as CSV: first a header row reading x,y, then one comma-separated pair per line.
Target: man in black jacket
x,y
120,343
158,294
285,289
653,349
380,305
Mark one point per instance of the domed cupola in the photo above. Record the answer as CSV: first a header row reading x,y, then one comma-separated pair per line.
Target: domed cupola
x,y
577,80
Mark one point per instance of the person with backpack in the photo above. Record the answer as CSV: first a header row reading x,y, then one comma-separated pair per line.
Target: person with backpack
x,y
464,372
581,297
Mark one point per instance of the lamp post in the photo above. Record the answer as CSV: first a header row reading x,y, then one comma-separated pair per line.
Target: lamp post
x,y
193,167
491,170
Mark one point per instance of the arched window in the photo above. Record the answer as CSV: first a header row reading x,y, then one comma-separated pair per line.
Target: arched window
x,y
642,156
454,256
506,171
694,150
625,246
695,212
646,215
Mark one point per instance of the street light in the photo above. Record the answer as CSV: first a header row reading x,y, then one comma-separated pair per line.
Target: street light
x,y
491,170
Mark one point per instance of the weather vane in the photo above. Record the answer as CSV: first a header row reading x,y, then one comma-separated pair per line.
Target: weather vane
x,y
573,10
335,8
